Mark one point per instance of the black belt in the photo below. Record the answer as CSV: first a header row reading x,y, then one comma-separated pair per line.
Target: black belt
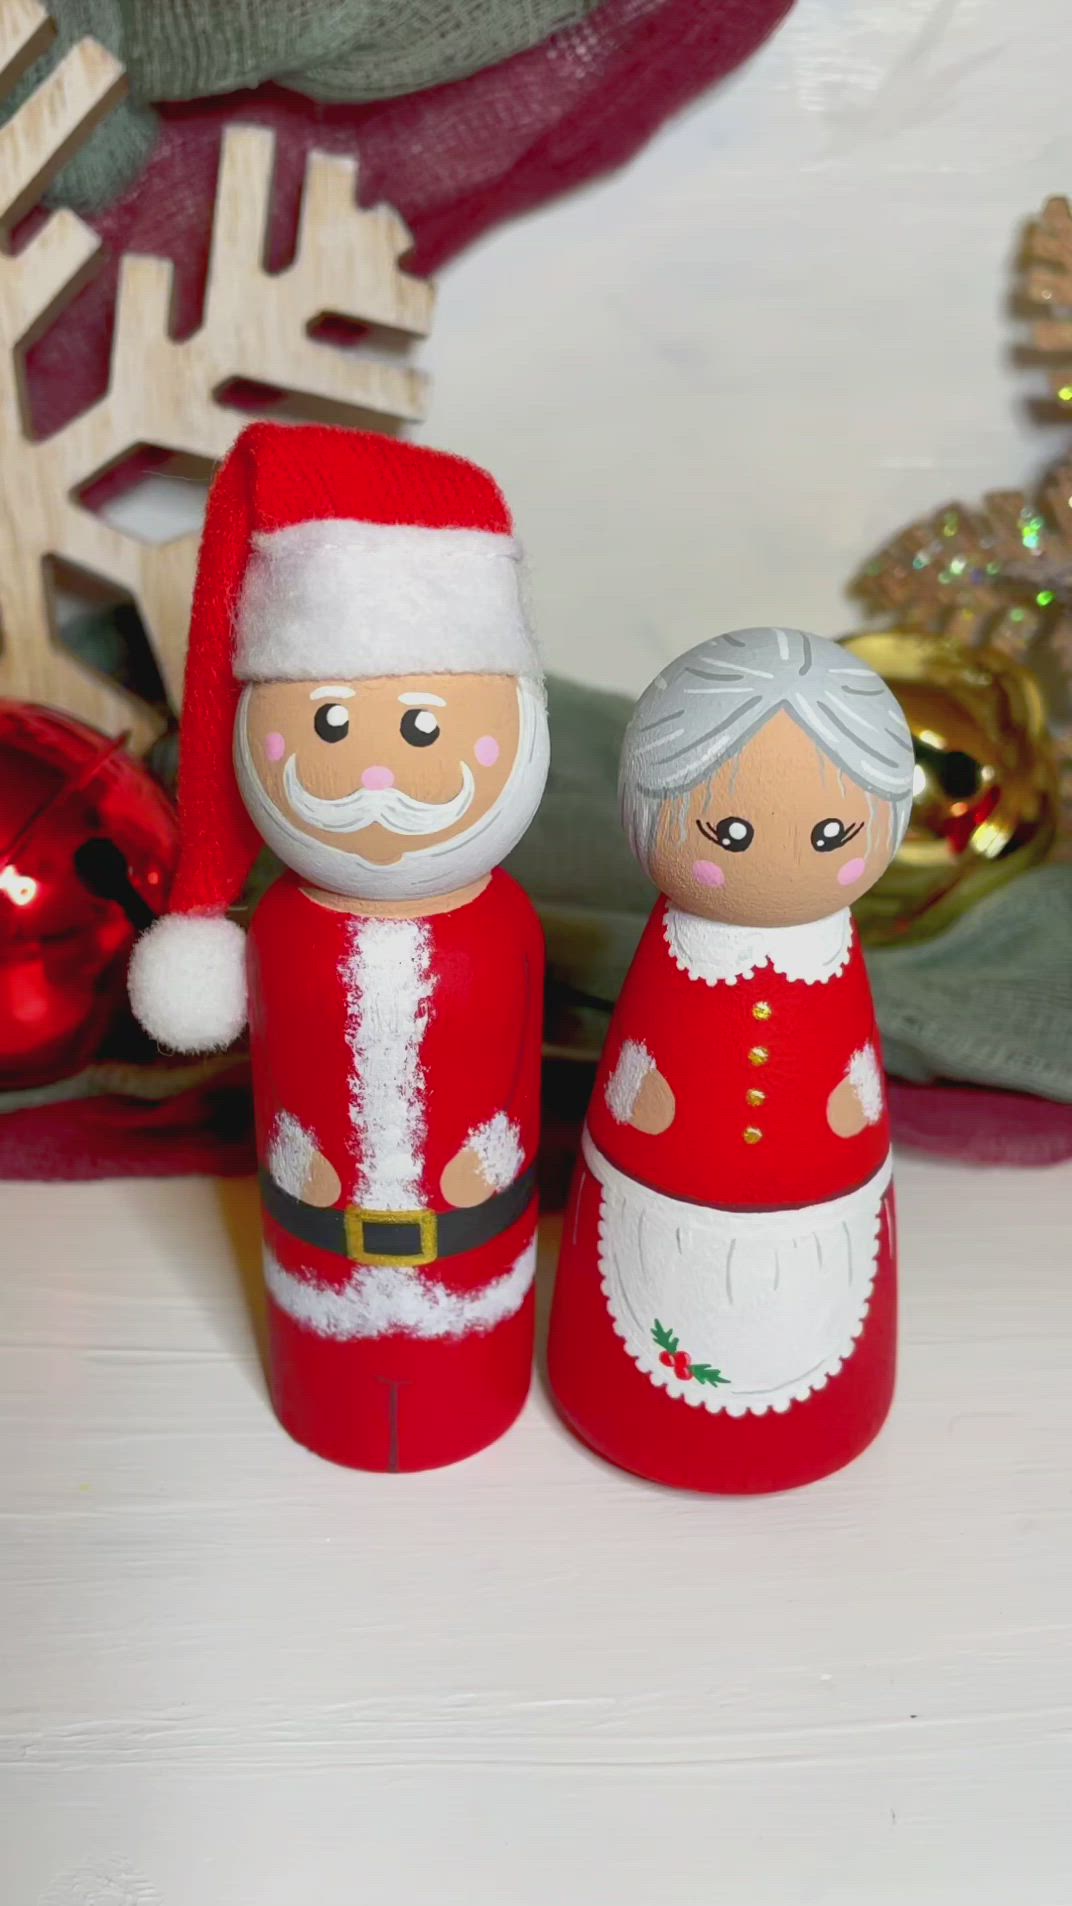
x,y
398,1237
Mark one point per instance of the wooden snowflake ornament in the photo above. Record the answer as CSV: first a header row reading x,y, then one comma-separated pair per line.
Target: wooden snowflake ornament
x,y
163,392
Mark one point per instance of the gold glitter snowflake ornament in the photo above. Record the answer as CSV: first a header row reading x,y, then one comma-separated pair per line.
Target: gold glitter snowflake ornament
x,y
999,573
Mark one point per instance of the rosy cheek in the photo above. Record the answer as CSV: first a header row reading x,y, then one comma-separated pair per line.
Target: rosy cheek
x,y
708,873
487,751
274,746
852,871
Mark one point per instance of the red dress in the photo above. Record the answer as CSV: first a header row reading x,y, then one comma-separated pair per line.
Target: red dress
x,y
400,1329
724,1314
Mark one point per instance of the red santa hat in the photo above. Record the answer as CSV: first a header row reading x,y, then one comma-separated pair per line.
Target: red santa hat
x,y
324,553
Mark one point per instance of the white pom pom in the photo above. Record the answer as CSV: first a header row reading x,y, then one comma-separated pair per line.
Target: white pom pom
x,y
187,981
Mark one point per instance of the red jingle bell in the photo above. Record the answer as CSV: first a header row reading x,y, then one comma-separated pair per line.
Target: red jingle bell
x,y
88,843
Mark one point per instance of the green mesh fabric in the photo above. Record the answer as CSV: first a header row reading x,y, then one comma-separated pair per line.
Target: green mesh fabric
x,y
989,1002
329,49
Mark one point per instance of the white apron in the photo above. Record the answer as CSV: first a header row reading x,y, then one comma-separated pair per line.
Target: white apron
x,y
737,1311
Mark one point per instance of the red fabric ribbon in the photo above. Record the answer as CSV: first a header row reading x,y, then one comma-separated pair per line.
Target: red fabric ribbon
x,y
210,1129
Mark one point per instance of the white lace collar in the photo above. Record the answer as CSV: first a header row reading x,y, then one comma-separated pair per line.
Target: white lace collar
x,y
707,950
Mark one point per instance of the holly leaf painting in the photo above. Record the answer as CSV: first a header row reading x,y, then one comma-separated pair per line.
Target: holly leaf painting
x,y
704,1373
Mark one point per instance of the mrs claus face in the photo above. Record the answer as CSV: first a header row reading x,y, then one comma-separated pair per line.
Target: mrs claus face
x,y
777,837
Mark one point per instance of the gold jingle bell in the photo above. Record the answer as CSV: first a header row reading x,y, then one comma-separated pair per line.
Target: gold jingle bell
x,y
985,789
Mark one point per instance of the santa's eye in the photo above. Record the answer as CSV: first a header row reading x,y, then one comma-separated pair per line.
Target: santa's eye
x,y
331,721
828,835
419,727
732,833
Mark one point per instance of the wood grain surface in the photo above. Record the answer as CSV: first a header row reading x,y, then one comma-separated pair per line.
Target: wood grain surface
x,y
231,1675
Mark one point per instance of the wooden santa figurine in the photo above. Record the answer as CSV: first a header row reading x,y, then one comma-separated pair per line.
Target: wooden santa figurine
x,y
725,1311
363,694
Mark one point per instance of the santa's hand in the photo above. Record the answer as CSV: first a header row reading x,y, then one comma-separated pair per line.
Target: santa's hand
x,y
323,1185
298,1165
491,1158
857,1102
637,1094
463,1181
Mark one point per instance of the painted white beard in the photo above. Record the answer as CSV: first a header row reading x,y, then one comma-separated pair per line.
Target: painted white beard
x,y
393,808
421,872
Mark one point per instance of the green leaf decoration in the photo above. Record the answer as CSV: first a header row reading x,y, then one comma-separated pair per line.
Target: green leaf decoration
x,y
704,1373
665,1338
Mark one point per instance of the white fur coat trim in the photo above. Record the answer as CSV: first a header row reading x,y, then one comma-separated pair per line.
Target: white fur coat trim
x,y
710,951
389,986
497,1144
623,1086
291,1150
865,1076
347,599
381,1298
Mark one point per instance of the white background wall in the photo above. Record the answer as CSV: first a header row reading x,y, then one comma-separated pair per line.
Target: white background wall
x,y
711,384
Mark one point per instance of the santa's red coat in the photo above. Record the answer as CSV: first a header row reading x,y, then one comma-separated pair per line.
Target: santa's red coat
x,y
391,1045
752,1057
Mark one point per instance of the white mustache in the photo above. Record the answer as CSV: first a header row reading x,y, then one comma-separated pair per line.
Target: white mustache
x,y
399,812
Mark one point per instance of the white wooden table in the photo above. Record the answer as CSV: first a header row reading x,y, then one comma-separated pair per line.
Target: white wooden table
x,y
231,1675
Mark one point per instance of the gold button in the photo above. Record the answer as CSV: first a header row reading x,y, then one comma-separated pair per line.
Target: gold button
x,y
751,1134
761,1009
755,1096
758,1056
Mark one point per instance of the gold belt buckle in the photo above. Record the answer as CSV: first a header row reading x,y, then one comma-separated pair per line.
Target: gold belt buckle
x,y
355,1218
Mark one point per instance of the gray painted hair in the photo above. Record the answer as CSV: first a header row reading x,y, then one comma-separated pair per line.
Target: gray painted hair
x,y
707,705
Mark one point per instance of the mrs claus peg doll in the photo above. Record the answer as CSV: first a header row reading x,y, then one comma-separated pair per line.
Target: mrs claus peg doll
x,y
362,693
725,1311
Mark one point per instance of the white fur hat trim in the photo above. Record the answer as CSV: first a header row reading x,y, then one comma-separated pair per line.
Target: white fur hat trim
x,y
364,599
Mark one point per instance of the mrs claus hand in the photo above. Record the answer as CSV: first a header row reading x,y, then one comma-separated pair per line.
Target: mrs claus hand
x,y
844,1110
654,1106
